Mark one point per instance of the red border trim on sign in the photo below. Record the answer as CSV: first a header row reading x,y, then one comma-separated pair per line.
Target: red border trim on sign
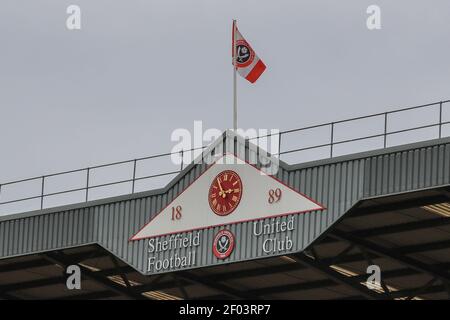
x,y
321,207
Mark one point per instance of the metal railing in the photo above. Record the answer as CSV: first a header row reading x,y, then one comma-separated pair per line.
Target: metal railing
x,y
332,142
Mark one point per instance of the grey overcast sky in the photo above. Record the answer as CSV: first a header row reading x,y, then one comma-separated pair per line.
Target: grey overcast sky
x,y
138,69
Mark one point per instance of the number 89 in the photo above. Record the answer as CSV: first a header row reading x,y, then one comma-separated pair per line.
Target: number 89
x,y
274,195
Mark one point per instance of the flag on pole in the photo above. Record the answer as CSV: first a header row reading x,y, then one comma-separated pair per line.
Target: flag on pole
x,y
247,63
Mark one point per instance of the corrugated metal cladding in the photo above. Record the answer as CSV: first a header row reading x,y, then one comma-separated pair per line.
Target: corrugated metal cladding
x,y
412,169
338,184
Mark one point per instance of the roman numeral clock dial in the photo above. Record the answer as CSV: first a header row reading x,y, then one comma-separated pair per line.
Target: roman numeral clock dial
x,y
225,193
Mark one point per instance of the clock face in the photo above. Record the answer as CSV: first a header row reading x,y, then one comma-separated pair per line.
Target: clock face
x,y
225,193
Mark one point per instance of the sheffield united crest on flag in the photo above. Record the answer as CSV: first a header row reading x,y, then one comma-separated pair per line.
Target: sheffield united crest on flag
x,y
247,63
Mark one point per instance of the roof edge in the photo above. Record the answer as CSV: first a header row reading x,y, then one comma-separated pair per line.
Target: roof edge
x,y
284,165
367,154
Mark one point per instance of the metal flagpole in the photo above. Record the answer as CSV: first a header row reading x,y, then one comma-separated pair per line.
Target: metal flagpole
x,y
234,78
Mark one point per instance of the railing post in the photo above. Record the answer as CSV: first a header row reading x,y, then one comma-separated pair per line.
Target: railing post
x,y
279,145
332,140
385,129
440,119
42,192
134,175
182,153
87,183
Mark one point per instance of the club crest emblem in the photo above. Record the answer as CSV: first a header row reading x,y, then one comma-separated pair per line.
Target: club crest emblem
x,y
244,54
223,244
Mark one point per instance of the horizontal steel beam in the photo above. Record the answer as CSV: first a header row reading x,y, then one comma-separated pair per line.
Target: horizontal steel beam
x,y
40,262
7,288
234,293
337,277
421,247
400,205
63,260
392,253
402,227
89,296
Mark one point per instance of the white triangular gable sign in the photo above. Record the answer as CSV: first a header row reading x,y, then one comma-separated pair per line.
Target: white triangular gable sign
x,y
261,196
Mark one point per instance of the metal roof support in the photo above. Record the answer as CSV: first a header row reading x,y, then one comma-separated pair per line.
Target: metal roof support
x,y
302,286
88,296
370,262
446,192
254,272
35,263
7,296
335,260
402,227
423,289
428,246
336,276
312,252
323,284
341,254
214,278
153,286
181,288
356,257
157,278
31,284
408,292
216,286
403,205
40,262
114,271
405,293
51,281
447,288
180,281
62,260
153,282
392,254
120,272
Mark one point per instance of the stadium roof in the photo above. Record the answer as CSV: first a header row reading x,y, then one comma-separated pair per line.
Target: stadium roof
x,y
404,229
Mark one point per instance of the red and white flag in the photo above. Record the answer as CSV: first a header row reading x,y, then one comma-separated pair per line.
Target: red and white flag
x,y
247,63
